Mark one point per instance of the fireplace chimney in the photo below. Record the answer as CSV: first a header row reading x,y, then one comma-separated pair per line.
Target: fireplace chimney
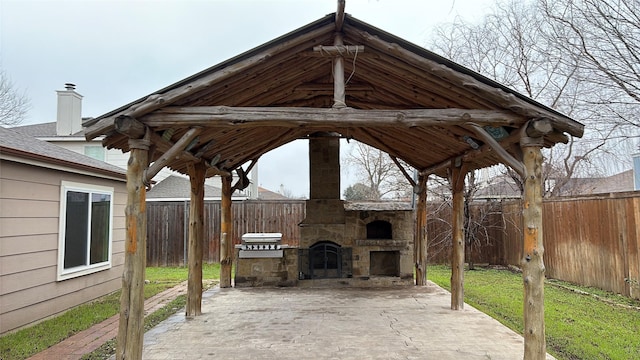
x,y
324,205
69,119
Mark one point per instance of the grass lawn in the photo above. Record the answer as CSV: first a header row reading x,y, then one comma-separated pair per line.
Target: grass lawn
x,y
31,340
578,326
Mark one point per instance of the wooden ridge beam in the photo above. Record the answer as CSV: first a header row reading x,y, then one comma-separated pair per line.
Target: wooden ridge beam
x,y
221,116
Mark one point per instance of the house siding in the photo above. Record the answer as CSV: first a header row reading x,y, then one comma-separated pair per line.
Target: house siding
x,y
29,227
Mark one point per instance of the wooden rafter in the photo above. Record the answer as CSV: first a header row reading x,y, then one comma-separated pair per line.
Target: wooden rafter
x,y
157,101
403,171
515,104
171,154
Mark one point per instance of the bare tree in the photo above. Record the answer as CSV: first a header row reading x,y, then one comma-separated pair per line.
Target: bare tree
x,y
606,35
375,169
481,219
517,46
13,105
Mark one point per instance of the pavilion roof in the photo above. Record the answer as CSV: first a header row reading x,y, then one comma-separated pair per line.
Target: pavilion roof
x,y
401,98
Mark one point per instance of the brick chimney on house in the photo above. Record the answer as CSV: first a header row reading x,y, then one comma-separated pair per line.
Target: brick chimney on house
x,y
69,119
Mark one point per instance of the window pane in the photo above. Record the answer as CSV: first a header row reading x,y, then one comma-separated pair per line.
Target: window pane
x,y
75,242
100,206
96,152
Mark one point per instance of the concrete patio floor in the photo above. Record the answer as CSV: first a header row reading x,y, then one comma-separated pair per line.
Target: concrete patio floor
x,y
332,323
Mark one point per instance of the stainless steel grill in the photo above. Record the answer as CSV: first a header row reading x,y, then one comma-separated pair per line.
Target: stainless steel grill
x,y
261,245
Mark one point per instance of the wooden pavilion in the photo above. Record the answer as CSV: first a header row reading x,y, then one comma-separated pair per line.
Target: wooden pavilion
x,y
338,75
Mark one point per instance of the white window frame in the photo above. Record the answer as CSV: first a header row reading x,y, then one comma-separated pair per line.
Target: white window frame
x,y
65,186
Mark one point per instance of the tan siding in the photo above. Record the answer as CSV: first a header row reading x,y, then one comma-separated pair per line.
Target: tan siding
x,y
17,208
52,290
27,279
25,262
28,244
16,189
37,312
29,225
118,219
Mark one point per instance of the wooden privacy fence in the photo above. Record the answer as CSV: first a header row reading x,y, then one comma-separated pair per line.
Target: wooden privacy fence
x,y
168,224
593,241
588,240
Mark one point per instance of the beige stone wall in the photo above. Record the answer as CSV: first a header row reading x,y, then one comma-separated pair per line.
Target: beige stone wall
x,y
267,271
324,167
402,240
349,234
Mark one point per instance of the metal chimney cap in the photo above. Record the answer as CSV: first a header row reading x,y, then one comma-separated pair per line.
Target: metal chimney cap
x,y
70,86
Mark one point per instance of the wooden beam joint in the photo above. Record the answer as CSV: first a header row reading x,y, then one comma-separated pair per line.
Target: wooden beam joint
x,y
172,153
130,127
504,155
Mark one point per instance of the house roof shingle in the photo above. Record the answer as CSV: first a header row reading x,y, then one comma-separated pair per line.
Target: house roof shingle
x,y
265,194
25,146
620,182
47,130
178,187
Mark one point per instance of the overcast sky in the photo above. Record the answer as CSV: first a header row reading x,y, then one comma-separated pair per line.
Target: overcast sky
x,y
119,51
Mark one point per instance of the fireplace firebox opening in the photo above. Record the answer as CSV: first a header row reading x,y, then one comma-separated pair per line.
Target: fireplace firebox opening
x,y
325,260
384,263
379,229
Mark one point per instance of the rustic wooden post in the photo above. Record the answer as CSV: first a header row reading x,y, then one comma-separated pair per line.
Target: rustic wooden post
x,y
196,232
533,250
131,325
420,236
226,236
458,174
338,76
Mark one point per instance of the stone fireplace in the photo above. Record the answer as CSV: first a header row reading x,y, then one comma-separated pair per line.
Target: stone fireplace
x,y
358,243
341,243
